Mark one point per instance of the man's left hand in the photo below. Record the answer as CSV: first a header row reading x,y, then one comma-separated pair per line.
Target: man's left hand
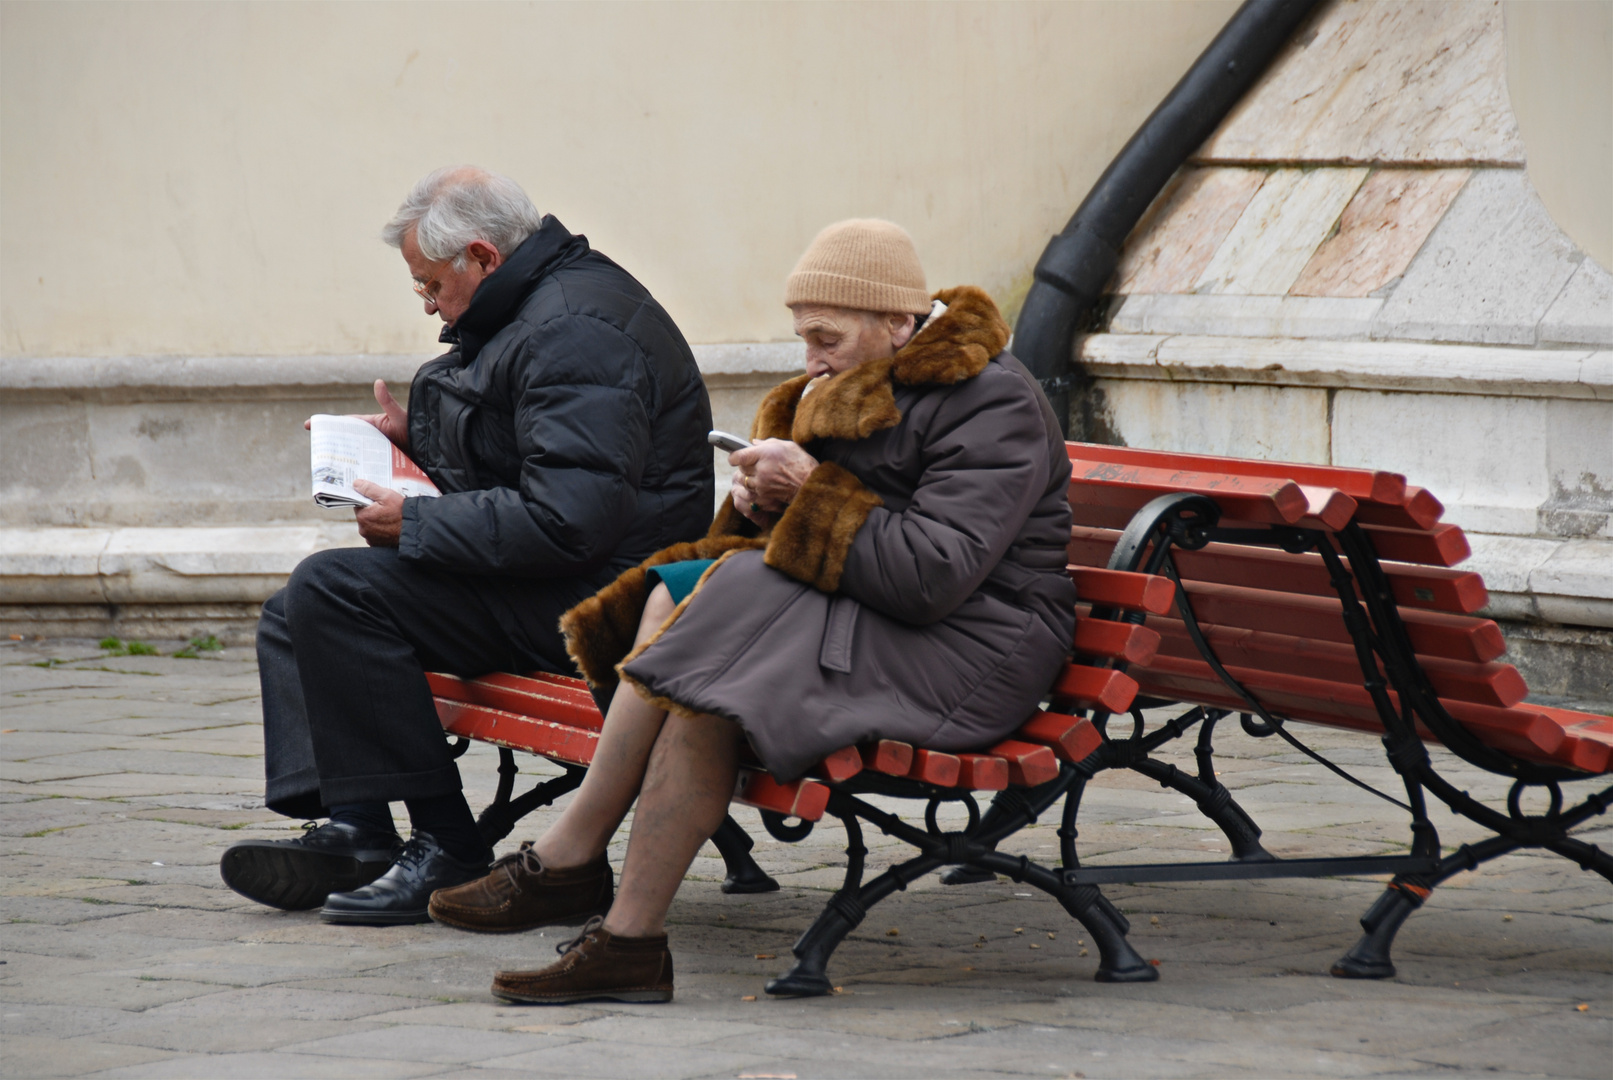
x,y
381,522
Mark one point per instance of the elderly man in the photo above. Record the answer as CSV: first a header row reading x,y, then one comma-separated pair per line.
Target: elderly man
x,y
566,430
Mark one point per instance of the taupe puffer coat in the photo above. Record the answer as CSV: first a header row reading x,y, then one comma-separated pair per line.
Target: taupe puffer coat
x,y
914,589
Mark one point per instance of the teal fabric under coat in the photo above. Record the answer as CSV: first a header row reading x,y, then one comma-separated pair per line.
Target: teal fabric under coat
x,y
679,578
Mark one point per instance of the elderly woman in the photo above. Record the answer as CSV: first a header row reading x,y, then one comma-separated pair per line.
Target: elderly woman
x,y
891,566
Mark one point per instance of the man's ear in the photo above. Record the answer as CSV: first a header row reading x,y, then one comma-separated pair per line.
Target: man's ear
x,y
484,255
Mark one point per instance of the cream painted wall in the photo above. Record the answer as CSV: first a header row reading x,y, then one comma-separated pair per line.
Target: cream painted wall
x,y
203,179
1560,75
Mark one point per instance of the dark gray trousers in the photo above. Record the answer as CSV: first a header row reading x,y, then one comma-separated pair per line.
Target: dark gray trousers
x,y
342,654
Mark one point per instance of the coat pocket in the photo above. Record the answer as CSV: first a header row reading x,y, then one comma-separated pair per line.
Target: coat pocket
x,y
839,628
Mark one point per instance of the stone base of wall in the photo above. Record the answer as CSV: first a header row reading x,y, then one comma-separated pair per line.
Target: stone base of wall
x,y
230,623
1563,661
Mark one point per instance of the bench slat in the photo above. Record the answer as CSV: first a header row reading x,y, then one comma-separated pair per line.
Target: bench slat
x,y
526,695
804,799
887,756
1028,764
1130,643
1587,739
1365,485
934,767
982,772
1420,510
1102,687
843,764
1130,487
1443,545
1525,731
1427,587
1328,661
560,741
1124,589
1327,507
1071,738
1432,633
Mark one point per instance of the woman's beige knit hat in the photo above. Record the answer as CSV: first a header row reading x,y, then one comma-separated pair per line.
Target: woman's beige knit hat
x,y
864,264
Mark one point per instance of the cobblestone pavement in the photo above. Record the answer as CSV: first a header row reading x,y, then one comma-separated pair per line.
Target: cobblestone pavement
x,y
125,777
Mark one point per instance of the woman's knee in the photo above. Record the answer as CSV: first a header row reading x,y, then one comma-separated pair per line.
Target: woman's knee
x,y
658,608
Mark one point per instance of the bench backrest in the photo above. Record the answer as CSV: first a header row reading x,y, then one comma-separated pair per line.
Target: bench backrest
x,y
1273,618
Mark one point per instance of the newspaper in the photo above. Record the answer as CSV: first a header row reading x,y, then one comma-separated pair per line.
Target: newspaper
x,y
346,448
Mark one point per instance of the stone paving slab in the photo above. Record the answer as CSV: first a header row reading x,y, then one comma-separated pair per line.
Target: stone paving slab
x,y
126,956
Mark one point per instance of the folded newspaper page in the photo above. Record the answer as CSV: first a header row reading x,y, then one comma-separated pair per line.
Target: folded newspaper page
x,y
345,449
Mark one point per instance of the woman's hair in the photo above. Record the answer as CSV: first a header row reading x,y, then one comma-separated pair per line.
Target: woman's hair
x,y
456,205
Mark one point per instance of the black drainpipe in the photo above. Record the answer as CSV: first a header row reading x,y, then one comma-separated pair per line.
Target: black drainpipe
x,y
1077,263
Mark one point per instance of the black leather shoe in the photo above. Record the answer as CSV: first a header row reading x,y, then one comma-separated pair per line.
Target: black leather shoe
x,y
401,895
295,875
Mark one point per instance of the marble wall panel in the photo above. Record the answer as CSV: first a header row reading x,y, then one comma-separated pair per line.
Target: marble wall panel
x,y
1291,214
1489,271
1583,312
1421,82
1579,469
1175,241
1246,316
44,460
1484,457
1379,232
1277,423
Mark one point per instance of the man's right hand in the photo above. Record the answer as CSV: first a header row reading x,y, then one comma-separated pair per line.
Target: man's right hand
x,y
392,421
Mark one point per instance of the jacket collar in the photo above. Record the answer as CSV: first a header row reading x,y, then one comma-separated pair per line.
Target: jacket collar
x,y
500,297
950,348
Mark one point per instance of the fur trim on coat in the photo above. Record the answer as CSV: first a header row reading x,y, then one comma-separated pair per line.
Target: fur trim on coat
x,y
600,630
811,541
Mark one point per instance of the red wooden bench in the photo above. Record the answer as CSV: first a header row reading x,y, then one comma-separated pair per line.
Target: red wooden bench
x,y
1207,581
1327,596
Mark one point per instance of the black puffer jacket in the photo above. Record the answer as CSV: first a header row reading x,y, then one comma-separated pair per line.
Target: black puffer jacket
x,y
566,429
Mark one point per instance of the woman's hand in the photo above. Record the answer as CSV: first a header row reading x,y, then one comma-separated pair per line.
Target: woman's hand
x,y
769,474
748,502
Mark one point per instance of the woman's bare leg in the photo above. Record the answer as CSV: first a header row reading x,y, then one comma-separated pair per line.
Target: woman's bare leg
x,y
685,796
613,780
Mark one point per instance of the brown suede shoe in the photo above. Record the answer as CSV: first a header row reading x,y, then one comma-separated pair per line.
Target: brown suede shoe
x,y
520,893
595,966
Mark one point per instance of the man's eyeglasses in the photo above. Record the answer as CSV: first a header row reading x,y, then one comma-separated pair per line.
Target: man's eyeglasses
x,y
427,290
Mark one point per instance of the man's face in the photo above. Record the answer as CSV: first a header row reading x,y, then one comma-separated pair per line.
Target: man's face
x,y
838,339
448,291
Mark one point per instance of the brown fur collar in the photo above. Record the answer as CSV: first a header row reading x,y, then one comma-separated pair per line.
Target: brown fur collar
x,y
854,404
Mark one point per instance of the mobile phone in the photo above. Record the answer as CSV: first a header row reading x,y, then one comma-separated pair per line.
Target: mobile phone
x,y
722,440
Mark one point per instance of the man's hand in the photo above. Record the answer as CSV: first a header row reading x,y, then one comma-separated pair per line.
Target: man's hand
x,y
770,473
392,421
381,522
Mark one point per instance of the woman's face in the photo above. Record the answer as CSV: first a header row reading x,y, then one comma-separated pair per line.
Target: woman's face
x,y
838,338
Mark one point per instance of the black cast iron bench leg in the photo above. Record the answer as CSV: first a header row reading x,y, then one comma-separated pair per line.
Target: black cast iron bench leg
x,y
1117,960
1369,958
743,875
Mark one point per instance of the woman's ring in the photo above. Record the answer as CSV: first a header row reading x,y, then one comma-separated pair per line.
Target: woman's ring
x,y
754,507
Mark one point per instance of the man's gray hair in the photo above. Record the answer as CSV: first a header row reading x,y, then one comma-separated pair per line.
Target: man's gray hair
x,y
459,204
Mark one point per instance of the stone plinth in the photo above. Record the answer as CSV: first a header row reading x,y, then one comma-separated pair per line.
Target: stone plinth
x,y
168,497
